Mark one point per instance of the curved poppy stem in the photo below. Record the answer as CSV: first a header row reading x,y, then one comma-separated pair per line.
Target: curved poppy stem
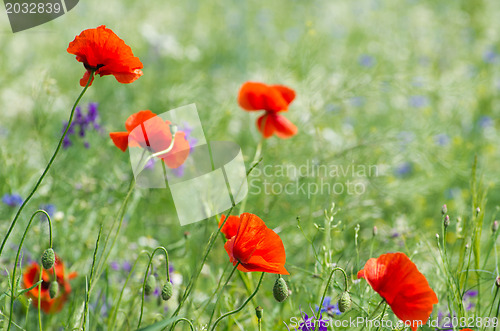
x,y
222,289
241,307
14,282
328,284
146,278
25,202
183,319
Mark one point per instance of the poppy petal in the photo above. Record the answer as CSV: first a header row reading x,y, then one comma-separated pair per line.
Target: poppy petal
x,y
138,118
396,278
230,228
179,153
265,125
259,96
256,247
287,93
85,79
282,126
120,139
101,50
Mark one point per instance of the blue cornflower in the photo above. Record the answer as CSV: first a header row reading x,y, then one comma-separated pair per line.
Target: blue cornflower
x,y
366,60
485,122
442,139
418,101
12,200
329,308
403,169
49,208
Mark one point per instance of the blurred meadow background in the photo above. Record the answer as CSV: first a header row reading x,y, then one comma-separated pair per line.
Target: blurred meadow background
x,y
410,87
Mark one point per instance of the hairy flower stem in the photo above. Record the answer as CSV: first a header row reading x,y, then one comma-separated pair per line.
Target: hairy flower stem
x,y
146,277
217,321
223,287
328,285
14,282
48,165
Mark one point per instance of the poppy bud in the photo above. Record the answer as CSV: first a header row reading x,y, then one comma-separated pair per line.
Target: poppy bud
x,y
280,290
446,221
375,231
494,226
48,258
53,289
167,291
345,302
258,312
497,281
150,285
477,211
444,210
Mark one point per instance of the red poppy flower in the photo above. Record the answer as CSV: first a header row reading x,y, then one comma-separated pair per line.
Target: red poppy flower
x,y
154,136
253,245
396,278
272,99
102,51
31,276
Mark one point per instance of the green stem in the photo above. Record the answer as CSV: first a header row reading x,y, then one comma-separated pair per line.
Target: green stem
x,y
146,277
223,287
47,167
39,302
121,214
241,307
492,304
87,299
183,319
194,278
114,312
328,284
382,316
210,245
14,282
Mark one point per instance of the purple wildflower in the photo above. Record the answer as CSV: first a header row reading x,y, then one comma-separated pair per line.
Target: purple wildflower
x,y
358,101
115,266
82,123
490,56
12,200
309,324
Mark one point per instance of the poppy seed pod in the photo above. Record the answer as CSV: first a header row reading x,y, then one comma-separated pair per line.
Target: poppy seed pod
x,y
345,302
280,290
53,290
167,291
258,312
150,285
48,258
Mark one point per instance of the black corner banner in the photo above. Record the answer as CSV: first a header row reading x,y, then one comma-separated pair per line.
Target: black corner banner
x,y
25,14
